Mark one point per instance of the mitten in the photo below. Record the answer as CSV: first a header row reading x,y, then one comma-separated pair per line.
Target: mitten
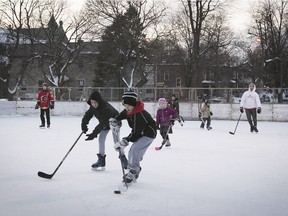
x,y
211,113
84,128
241,109
37,106
259,110
91,136
121,144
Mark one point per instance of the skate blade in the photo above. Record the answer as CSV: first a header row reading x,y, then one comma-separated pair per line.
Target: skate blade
x,y
98,169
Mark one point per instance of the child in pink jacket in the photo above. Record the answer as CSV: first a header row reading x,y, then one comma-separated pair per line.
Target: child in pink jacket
x,y
164,119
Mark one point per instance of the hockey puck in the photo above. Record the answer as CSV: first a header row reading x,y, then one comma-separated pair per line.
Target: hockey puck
x,y
117,192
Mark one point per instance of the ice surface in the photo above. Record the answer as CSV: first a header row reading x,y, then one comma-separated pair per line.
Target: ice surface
x,y
204,173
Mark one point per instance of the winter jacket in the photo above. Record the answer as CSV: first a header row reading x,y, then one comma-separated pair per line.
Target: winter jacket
x,y
45,99
140,121
164,116
174,104
103,113
205,110
250,99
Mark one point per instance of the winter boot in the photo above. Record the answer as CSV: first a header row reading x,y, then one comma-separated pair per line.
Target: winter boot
x,y
124,161
131,176
100,164
42,126
252,128
168,143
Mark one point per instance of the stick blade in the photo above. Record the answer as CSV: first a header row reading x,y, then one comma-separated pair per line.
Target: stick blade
x,y
157,148
45,175
231,133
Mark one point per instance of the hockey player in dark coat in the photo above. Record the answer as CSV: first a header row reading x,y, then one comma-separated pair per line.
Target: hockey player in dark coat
x,y
142,134
103,111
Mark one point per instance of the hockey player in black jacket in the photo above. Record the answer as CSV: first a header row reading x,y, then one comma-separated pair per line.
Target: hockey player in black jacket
x,y
142,134
103,111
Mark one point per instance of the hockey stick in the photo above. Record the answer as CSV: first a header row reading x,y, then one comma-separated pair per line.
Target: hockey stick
x,y
236,125
164,140
122,166
50,176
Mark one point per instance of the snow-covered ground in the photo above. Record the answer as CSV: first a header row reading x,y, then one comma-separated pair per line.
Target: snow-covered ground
x,y
204,173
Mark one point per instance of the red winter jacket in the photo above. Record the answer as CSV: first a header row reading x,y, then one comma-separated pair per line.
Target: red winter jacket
x,y
45,98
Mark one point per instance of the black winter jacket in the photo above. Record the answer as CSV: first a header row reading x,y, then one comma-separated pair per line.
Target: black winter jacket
x,y
140,121
103,113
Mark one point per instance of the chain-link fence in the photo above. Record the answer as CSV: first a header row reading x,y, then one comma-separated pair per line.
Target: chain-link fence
x,y
217,95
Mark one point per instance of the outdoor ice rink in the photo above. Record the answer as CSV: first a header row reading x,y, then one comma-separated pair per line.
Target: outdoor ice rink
x,y
204,173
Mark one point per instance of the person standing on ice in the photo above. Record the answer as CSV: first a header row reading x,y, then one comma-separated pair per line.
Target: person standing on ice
x,y
165,118
250,101
206,114
103,111
142,134
174,104
45,101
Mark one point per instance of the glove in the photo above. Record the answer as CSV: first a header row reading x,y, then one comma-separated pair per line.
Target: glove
x,y
211,114
172,122
259,110
91,136
157,127
241,109
37,106
114,125
199,114
84,128
51,106
121,144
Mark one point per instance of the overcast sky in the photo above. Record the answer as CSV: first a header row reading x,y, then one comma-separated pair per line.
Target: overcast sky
x,y
238,16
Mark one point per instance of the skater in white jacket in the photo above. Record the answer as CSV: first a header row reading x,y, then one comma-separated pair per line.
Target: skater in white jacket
x,y
250,101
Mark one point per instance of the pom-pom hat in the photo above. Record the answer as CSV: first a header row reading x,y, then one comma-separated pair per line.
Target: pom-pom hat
x,y
129,98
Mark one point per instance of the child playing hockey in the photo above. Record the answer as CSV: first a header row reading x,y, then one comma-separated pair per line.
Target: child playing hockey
x,y
206,114
45,101
103,111
165,117
142,134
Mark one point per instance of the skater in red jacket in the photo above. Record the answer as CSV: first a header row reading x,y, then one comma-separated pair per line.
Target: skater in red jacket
x,y
45,101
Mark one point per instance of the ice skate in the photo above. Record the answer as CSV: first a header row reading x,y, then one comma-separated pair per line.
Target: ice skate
x,y
42,126
48,126
100,164
168,143
131,176
255,129
209,128
252,128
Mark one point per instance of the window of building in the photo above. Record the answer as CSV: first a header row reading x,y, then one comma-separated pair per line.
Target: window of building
x,y
178,82
23,85
166,76
81,84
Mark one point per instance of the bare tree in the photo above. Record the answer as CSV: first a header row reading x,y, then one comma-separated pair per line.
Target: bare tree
x,y
105,13
270,29
33,29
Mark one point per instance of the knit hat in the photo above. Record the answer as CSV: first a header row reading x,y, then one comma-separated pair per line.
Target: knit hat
x,y
129,98
95,96
162,100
